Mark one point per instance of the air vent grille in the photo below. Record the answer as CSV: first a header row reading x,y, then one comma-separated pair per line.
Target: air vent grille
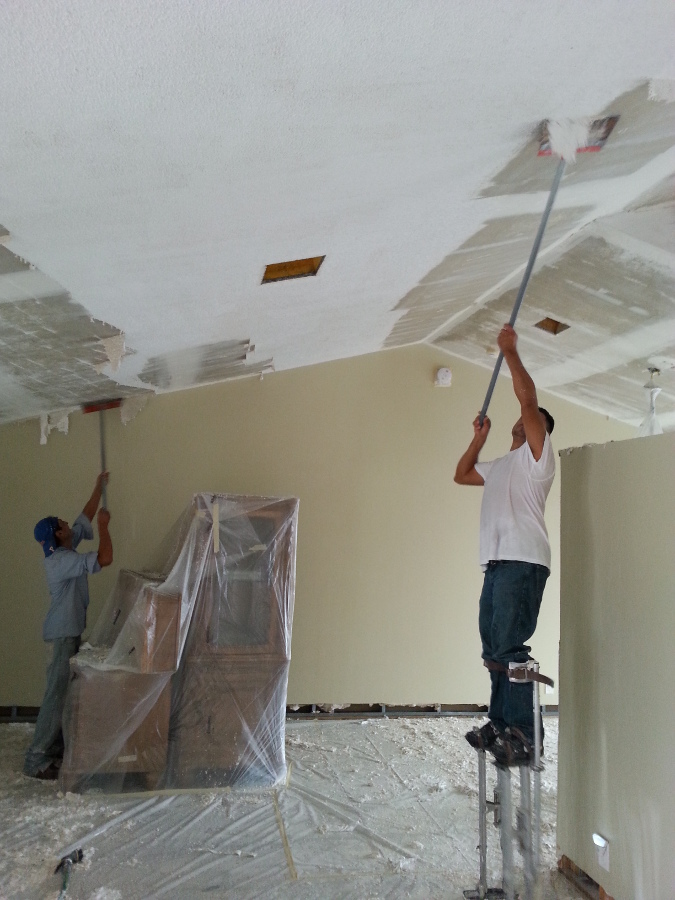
x,y
551,325
296,268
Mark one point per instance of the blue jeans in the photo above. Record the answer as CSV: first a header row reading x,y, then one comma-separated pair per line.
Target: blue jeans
x,y
507,617
47,746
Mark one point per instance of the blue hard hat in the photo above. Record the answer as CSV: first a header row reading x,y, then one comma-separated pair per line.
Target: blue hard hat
x,y
45,534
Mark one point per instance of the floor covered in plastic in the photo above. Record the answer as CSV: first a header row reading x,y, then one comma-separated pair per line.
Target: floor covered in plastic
x,y
371,808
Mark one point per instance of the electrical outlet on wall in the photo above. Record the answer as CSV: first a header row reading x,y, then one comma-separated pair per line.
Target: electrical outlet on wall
x,y
549,689
602,850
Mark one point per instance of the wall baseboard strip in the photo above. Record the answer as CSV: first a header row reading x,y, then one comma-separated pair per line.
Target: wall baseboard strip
x,y
382,710
325,711
19,713
581,880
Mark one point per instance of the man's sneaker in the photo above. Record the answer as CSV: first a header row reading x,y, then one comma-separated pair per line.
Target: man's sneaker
x,y
512,749
483,738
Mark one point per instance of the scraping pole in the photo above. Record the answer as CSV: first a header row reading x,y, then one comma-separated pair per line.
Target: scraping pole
x,y
104,489
526,277
100,407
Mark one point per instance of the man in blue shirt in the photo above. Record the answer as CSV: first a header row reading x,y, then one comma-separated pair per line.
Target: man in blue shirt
x,y
66,572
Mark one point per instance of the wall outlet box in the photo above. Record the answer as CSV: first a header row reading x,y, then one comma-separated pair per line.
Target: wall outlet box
x,y
549,689
602,851
443,378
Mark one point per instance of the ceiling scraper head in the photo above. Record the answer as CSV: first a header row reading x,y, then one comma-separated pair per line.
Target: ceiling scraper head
x,y
565,138
101,405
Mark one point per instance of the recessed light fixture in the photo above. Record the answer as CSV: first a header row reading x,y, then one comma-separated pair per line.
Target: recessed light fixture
x,y
551,325
296,268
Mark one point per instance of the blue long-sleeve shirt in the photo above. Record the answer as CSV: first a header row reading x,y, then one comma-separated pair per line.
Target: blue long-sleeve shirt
x,y
67,573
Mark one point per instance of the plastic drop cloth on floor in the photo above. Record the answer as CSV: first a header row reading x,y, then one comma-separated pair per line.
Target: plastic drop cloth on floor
x,y
183,680
377,808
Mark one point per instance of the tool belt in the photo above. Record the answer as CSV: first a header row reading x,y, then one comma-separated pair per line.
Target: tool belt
x,y
518,673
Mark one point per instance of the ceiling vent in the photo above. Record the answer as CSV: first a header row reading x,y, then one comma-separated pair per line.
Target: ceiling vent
x,y
551,325
296,268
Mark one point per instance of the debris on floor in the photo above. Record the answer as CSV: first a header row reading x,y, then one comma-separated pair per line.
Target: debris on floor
x,y
382,808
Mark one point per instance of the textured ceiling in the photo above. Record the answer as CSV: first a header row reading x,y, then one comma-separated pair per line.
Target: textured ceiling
x,y
155,157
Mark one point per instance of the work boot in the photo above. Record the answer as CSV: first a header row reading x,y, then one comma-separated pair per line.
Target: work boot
x,y
512,748
508,750
483,738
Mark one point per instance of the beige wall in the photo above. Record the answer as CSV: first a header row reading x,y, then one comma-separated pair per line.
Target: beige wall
x,y
387,577
617,724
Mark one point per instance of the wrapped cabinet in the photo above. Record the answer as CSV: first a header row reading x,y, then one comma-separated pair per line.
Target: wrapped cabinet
x,y
184,681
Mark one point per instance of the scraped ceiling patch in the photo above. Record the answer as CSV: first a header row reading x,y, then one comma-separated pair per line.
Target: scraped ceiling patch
x,y
202,365
467,277
51,347
599,289
621,307
644,130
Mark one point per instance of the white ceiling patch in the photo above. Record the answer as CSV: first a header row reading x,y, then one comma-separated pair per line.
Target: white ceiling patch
x,y
54,421
131,406
114,349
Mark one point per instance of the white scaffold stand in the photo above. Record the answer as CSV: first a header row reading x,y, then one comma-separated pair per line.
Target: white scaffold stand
x,y
527,829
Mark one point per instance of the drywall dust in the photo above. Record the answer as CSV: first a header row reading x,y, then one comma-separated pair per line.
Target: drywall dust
x,y
202,365
374,807
567,136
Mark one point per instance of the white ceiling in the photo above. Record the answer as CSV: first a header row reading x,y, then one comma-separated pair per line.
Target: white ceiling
x,y
156,156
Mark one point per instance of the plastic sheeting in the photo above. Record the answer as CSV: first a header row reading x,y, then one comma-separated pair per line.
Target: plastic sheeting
x,y
383,808
183,682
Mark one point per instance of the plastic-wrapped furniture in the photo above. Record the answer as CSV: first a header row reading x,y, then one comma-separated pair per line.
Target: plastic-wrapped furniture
x,y
185,681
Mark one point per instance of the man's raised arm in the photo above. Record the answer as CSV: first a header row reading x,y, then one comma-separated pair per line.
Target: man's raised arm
x,y
105,550
466,472
526,392
92,503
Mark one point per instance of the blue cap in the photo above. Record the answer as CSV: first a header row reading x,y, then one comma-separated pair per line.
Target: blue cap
x,y
45,534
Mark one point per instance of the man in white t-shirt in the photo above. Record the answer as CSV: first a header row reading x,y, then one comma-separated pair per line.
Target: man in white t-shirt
x,y
514,554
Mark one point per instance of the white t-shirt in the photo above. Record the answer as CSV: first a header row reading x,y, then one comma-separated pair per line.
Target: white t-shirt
x,y
512,513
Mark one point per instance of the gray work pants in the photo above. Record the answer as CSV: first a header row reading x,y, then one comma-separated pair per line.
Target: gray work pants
x,y
47,746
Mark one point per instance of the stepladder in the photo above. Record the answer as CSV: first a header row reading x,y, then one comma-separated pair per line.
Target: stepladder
x,y
522,831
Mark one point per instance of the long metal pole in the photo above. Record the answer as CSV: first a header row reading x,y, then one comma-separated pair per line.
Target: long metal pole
x,y
104,492
526,277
